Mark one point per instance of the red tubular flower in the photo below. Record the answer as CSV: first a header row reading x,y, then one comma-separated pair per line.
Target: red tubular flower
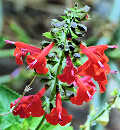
x,y
85,90
86,87
38,61
96,66
29,105
22,49
58,115
96,53
69,72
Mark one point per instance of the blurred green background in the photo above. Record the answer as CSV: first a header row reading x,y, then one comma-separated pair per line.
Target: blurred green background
x,y
26,20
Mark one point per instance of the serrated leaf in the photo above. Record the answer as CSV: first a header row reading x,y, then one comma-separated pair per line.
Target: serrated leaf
x,y
48,35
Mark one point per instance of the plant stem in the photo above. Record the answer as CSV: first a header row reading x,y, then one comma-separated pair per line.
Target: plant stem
x,y
24,92
90,121
106,108
41,122
56,79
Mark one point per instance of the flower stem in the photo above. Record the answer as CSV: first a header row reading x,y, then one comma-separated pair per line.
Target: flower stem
x,y
41,123
27,88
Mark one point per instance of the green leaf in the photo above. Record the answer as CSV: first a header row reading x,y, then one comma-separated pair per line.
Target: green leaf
x,y
15,126
48,35
6,97
74,35
114,54
31,123
48,126
2,43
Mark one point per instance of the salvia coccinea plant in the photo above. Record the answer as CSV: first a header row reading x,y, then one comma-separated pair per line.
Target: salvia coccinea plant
x,y
67,76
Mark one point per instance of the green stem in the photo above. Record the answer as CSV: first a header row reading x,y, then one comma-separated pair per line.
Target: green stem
x,y
41,123
90,121
56,79
102,112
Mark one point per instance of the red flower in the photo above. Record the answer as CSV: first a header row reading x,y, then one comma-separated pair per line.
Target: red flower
x,y
99,74
22,49
38,61
86,87
69,72
96,66
29,105
58,114
85,90
96,53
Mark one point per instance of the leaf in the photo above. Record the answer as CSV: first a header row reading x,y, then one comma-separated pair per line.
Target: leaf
x,y
48,35
2,43
74,35
6,97
54,69
48,126
15,126
31,123
114,54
